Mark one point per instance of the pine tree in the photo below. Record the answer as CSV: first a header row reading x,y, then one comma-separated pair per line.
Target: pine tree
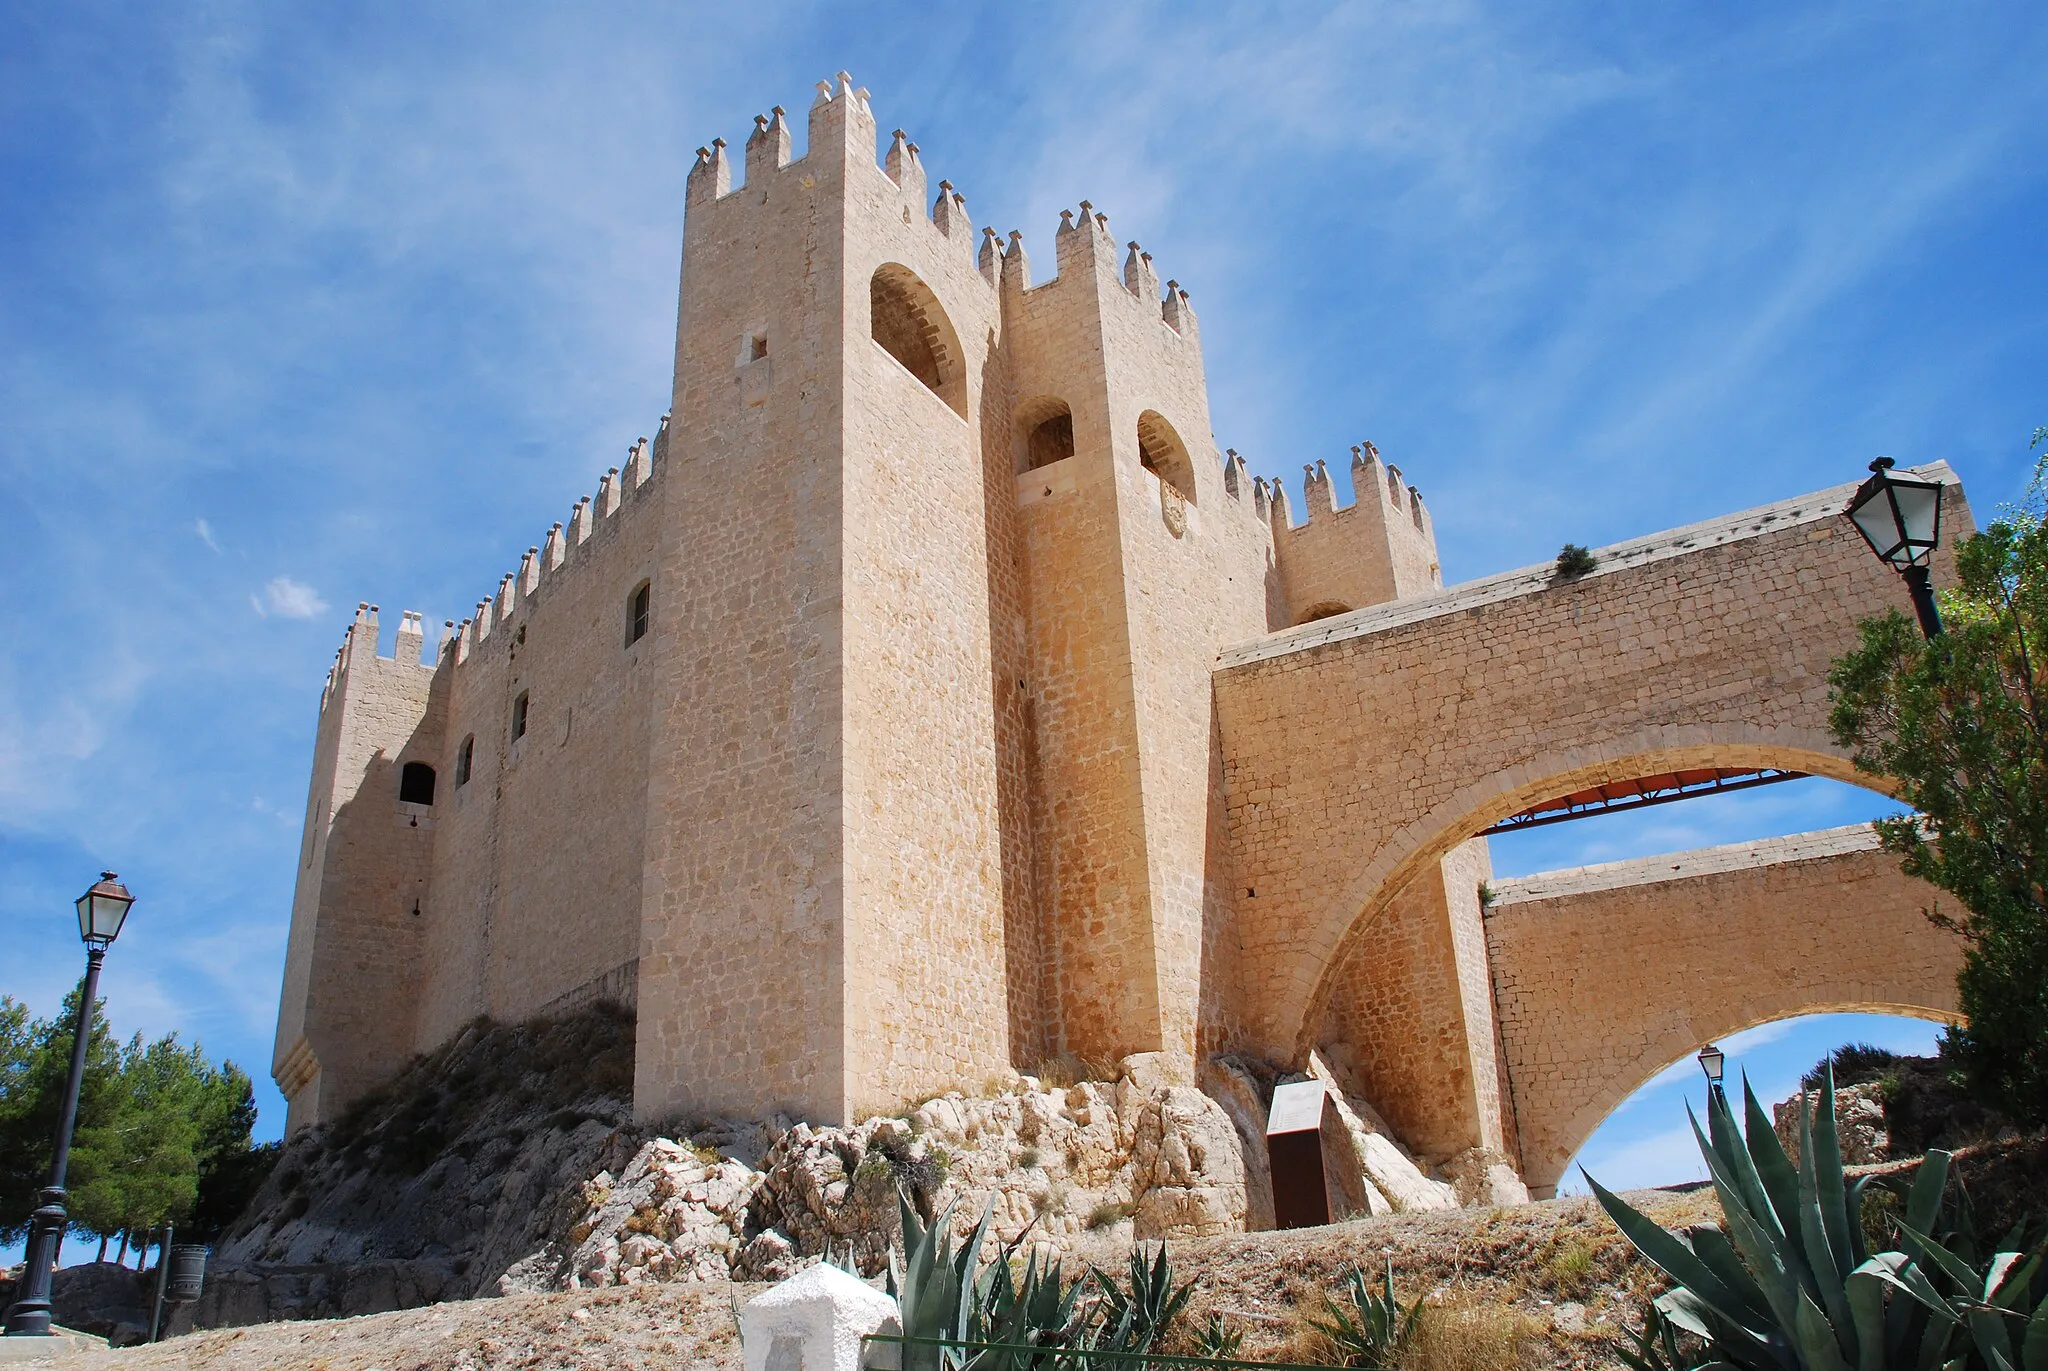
x,y
36,1067
161,1134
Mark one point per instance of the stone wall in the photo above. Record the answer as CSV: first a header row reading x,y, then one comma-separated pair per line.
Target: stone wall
x,y
1412,1014
1359,750
352,963
1605,975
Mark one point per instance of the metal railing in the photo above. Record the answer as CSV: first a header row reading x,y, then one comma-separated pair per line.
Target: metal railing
x,y
1060,1357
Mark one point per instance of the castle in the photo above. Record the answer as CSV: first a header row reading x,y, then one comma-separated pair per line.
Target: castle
x,y
930,698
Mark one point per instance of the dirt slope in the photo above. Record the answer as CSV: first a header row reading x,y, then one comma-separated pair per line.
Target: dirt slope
x,y
1558,1269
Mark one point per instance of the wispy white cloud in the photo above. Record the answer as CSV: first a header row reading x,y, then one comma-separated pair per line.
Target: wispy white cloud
x,y
288,599
205,532
1668,1156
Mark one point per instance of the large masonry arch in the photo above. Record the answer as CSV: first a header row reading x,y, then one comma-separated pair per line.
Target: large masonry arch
x,y
1604,975
1360,750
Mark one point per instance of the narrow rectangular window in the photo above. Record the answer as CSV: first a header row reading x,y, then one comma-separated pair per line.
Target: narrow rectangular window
x,y
637,613
519,716
463,755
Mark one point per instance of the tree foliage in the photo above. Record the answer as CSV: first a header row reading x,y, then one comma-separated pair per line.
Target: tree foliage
x,y
162,1134
32,1080
1957,724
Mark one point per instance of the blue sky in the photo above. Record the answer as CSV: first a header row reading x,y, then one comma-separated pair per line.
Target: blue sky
x,y
306,305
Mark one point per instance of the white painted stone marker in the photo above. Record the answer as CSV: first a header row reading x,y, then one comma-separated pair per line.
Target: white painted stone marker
x,y
815,1320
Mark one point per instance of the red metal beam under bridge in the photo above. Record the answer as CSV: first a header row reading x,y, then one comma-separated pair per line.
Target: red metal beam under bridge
x,y
1639,793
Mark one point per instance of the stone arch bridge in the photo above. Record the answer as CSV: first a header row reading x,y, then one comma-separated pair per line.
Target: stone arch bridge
x,y
1363,753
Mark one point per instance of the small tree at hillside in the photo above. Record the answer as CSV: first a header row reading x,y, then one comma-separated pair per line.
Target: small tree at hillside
x,y
162,1134
1957,722
35,1061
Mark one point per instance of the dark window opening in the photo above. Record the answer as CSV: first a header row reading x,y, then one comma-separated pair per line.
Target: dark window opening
x,y
463,756
757,348
519,716
1052,441
416,784
638,612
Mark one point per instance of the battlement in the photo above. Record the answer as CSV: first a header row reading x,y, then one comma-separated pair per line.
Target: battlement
x,y
1380,547
841,120
541,564
560,548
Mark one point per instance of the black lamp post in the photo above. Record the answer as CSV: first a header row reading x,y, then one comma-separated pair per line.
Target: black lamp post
x,y
100,912
1900,517
1712,1060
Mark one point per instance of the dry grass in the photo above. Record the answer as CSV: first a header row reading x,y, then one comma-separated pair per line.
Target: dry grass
x,y
1468,1334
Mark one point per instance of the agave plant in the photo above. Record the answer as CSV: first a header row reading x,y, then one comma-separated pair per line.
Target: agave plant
x,y
991,1316
934,1287
1219,1338
1133,1320
1366,1329
1034,1311
1790,1286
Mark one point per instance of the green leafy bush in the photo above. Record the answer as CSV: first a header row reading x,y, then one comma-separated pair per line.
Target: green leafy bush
x,y
1575,561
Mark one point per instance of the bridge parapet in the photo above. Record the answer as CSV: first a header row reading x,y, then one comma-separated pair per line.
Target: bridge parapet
x,y
1820,507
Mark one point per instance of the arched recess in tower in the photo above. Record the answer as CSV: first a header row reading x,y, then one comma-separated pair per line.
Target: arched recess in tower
x,y
1161,452
1324,609
1044,433
906,319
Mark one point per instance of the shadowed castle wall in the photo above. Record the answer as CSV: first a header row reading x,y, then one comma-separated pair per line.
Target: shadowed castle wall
x,y
537,858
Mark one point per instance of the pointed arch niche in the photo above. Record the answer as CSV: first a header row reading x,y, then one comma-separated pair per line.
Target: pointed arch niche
x,y
1161,452
907,322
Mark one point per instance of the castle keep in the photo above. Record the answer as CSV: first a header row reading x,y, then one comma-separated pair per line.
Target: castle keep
x,y
930,698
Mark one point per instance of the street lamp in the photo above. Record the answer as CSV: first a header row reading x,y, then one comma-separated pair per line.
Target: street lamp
x,y
1900,517
1712,1059
100,913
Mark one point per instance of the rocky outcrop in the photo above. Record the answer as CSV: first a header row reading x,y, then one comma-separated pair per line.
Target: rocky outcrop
x,y
506,1162
1137,1156
1480,1176
468,1164
1392,1177
1859,1123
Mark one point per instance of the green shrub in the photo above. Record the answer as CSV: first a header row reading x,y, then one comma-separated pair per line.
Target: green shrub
x,y
1854,1064
1574,562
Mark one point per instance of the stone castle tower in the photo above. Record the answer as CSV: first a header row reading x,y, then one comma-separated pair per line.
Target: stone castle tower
x,y
859,731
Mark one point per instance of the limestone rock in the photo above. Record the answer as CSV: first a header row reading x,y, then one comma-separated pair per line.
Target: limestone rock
x,y
1158,1159
1859,1123
1482,1176
1384,1161
675,1213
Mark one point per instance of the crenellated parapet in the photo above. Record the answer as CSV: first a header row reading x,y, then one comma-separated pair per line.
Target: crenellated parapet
x,y
562,551
841,133
1085,250
1380,547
